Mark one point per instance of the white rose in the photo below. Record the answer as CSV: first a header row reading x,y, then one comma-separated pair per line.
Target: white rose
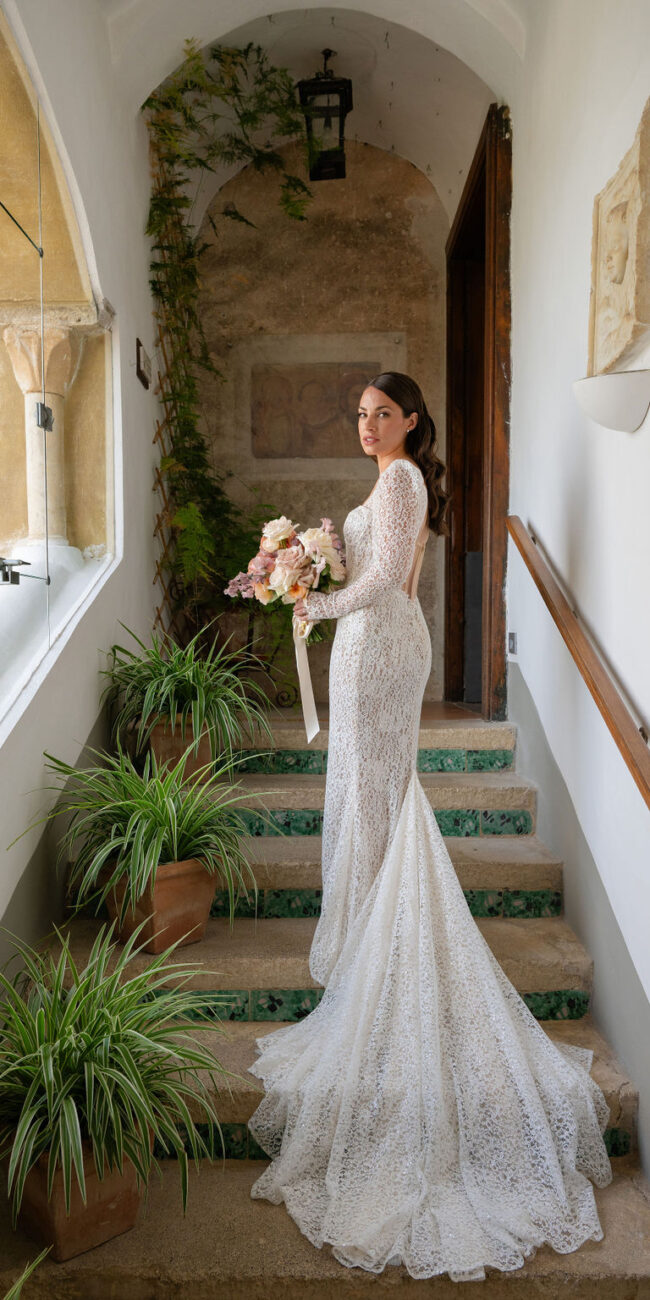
x,y
290,568
281,580
317,542
276,531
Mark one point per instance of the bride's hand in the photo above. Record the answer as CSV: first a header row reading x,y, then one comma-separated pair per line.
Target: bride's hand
x,y
300,611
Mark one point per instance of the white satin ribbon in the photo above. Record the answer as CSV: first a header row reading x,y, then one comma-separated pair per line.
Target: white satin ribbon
x,y
306,689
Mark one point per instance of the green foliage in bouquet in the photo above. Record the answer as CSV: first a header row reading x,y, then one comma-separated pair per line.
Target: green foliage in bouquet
x,y
208,114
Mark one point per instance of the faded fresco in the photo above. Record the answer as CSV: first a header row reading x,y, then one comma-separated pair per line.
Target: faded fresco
x,y
308,410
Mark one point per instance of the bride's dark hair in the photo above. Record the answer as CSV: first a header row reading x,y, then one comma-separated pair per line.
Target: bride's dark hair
x,y
420,441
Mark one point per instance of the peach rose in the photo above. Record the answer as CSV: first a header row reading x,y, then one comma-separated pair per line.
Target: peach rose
x,y
263,593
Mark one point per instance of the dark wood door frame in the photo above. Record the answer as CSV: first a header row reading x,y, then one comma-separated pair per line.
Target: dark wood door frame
x,y
488,192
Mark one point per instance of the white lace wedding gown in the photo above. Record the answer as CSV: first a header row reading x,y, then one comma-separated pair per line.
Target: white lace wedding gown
x,y
420,1114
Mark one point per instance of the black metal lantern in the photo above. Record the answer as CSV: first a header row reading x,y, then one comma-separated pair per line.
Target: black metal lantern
x,y
326,100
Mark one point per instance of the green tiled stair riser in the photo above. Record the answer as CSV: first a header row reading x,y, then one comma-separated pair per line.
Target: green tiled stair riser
x,y
429,760
452,821
295,1004
237,1143
307,902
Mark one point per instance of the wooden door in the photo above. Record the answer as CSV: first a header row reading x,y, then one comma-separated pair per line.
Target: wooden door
x,y
478,419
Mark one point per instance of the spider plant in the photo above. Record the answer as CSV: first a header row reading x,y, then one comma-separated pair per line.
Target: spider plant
x,y
124,824
16,1290
100,1056
166,681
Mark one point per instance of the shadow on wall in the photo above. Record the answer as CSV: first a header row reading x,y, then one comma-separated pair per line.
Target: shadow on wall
x,y
38,899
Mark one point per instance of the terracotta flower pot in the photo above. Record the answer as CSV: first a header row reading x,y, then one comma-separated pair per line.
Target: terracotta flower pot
x,y
112,1205
168,746
179,903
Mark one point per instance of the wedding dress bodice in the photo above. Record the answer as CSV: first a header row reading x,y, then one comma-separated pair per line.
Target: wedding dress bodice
x,y
385,539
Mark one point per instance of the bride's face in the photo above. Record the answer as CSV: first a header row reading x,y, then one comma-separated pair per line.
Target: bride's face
x,y
382,424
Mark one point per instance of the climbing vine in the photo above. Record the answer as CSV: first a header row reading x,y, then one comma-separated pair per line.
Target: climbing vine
x,y
211,113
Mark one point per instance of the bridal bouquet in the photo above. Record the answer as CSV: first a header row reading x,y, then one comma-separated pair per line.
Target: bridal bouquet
x,y
289,564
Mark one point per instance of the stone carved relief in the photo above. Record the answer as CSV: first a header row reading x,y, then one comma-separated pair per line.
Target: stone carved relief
x,y
619,327
308,409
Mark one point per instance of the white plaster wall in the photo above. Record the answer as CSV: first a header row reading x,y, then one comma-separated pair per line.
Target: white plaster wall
x,y
104,153
581,488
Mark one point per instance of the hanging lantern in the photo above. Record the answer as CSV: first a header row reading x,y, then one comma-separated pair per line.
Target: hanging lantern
x,y
326,100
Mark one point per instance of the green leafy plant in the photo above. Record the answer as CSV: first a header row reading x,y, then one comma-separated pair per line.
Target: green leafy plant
x,y
100,1055
15,1292
223,107
122,824
166,681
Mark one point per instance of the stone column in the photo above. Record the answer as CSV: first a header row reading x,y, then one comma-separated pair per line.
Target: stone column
x,y
62,353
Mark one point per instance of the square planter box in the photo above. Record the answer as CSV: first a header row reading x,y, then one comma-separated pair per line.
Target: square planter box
x,y
111,1208
179,902
170,746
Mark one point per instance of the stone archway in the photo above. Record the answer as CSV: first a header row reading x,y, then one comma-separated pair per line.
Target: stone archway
x,y
486,36
298,315
416,100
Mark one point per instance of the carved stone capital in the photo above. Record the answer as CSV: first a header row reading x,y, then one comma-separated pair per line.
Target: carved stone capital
x,y
62,350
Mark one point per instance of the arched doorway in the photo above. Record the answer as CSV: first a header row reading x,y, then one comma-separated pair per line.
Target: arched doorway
x,y
386,61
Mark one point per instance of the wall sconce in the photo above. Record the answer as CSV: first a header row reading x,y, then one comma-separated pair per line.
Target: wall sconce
x,y
619,400
326,100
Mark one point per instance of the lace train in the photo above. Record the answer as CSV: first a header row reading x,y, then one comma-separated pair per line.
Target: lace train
x,y
420,1114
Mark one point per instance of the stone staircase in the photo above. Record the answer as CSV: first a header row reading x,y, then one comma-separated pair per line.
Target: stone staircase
x,y
257,976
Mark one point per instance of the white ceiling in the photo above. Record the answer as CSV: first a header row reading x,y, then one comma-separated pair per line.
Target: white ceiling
x,y
411,97
146,36
511,16
413,93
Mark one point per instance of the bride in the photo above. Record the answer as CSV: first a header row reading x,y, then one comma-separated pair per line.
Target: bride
x,y
419,1115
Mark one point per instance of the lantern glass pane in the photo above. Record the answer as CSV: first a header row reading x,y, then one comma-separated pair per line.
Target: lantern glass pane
x,y
325,113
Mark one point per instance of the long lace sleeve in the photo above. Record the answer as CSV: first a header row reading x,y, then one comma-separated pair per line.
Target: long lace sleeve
x,y
397,517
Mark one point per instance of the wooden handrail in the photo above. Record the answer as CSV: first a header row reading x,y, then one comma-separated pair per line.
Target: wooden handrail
x,y
607,697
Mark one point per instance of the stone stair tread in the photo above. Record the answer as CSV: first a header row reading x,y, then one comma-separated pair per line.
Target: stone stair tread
x,y
231,1247
622,1094
444,789
448,733
538,955
234,1047
481,862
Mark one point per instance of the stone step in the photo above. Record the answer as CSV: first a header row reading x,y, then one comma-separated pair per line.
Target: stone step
x,y
465,803
490,862
259,970
231,1247
501,875
473,734
234,1047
